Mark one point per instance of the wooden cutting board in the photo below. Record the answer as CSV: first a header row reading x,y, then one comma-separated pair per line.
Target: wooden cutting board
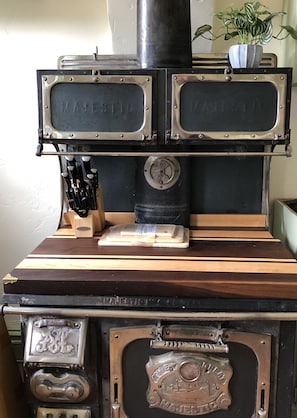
x,y
151,235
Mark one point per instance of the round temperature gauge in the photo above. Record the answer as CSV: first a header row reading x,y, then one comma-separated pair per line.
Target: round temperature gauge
x,y
161,172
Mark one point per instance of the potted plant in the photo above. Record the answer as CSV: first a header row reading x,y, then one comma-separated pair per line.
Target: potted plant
x,y
251,26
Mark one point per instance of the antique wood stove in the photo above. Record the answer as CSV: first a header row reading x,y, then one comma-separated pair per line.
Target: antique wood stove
x,y
144,331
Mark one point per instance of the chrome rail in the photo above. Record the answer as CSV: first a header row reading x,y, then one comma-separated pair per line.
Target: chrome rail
x,y
159,315
286,153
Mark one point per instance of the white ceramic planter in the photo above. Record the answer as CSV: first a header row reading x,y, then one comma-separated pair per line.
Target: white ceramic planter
x,y
245,56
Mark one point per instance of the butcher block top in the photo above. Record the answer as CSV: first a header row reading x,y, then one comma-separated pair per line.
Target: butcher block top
x,y
229,256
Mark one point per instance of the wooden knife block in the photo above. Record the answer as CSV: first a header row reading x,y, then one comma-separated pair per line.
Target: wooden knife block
x,y
88,226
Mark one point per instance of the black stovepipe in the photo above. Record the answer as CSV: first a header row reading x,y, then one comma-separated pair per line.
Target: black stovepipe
x,y
164,33
163,41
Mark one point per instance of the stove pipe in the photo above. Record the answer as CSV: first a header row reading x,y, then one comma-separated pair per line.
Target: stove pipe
x,y
163,41
164,33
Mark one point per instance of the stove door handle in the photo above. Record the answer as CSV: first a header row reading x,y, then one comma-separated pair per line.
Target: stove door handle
x,y
115,410
191,346
55,322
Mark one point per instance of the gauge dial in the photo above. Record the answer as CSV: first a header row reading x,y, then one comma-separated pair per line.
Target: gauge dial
x,y
161,172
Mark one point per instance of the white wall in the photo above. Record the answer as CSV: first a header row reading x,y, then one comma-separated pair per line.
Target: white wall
x,y
32,35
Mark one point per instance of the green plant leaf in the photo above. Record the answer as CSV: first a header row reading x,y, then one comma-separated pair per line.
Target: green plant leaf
x,y
267,34
257,5
249,9
250,24
290,30
230,35
201,31
240,21
258,27
272,15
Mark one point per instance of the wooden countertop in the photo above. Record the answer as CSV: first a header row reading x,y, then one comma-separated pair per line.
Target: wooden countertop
x,y
232,258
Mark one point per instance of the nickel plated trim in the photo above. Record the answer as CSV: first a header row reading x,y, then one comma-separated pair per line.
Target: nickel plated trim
x,y
277,131
260,344
67,387
286,153
161,173
47,338
199,60
120,338
144,82
161,315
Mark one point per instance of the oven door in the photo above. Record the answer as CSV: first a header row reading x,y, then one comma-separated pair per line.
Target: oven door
x,y
177,370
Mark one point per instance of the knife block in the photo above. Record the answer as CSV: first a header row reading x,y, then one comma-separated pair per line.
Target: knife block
x,y
84,227
90,225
